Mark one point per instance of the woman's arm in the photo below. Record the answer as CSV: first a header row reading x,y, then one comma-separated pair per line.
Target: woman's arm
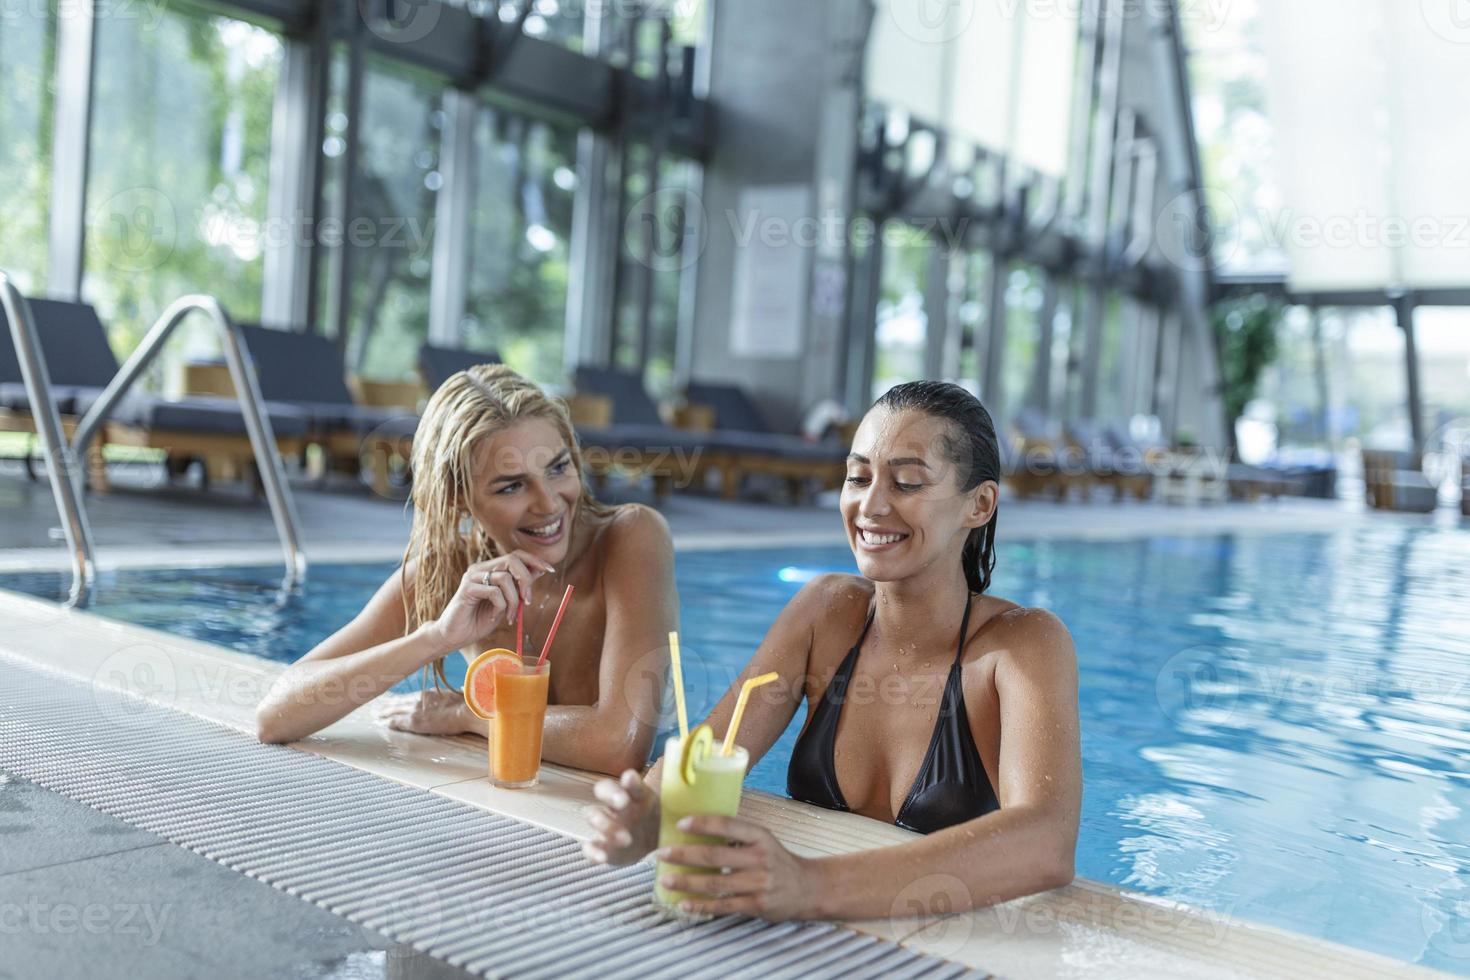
x,y
1025,847
348,669
642,602
370,654
627,823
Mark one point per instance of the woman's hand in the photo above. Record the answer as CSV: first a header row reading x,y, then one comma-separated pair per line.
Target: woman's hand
x,y
763,878
428,712
627,825
488,594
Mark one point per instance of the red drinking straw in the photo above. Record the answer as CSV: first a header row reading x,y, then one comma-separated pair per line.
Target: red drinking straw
x,y
566,597
520,618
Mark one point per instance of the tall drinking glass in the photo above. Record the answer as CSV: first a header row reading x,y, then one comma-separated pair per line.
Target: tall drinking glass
x,y
515,731
714,791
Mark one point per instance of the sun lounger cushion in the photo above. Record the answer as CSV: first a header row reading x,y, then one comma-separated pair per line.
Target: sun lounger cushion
x,y
79,359
732,406
779,446
645,438
304,371
630,403
1032,425
296,367
196,414
13,396
436,364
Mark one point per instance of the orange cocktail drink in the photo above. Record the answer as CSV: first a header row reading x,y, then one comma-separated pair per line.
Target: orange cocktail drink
x,y
515,729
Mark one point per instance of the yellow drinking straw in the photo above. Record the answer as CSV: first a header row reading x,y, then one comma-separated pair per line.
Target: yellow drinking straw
x,y
745,690
679,687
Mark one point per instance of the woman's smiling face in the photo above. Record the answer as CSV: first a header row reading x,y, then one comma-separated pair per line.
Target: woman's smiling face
x,y
901,503
524,489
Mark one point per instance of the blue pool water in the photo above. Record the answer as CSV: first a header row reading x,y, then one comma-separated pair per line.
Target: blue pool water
x,y
1277,728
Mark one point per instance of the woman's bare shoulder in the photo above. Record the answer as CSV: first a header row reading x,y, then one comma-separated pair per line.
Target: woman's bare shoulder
x,y
635,532
625,519
832,597
1027,636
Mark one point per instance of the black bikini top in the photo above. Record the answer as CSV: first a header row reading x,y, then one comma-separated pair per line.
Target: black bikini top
x,y
951,786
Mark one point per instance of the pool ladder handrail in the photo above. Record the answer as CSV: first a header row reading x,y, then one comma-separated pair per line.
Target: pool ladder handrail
x,y
247,389
61,460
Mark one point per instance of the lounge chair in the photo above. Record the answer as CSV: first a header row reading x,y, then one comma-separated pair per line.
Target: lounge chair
x,y
630,434
304,370
1134,460
81,364
743,443
1090,451
1252,482
436,364
1038,465
1191,476
1395,481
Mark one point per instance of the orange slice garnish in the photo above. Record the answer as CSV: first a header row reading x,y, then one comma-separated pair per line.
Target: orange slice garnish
x,y
479,679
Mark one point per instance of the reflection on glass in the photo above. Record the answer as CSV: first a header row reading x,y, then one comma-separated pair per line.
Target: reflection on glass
x,y
1110,360
1024,293
1060,356
27,72
1228,72
180,146
1442,336
653,257
1343,377
525,183
391,232
971,313
902,324
557,21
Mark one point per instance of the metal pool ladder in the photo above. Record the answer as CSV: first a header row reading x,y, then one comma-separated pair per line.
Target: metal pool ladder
x,y
247,389
61,463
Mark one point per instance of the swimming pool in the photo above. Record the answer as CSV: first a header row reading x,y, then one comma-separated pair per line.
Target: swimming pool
x,y
1274,727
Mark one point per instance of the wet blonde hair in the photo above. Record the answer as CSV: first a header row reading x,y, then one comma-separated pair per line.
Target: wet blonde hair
x,y
467,410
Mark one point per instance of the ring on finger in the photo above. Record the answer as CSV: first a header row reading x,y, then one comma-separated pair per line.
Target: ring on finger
x,y
485,579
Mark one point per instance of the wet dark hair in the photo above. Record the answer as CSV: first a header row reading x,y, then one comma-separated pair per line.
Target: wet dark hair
x,y
970,444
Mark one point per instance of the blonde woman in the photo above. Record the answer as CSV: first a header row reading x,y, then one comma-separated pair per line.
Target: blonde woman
x,y
502,516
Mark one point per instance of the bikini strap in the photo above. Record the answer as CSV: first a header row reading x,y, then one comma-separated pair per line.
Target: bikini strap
x,y
964,632
837,687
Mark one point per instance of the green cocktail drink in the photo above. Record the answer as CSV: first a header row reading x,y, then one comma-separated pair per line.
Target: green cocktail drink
x,y
713,790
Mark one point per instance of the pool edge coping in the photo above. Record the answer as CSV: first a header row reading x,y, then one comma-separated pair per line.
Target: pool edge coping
x,y
1258,944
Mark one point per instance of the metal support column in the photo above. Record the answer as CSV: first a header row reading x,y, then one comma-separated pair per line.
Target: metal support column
x,y
295,163
991,371
453,207
1319,372
688,275
937,309
867,287
76,44
1403,308
340,287
1112,20
593,254
1039,395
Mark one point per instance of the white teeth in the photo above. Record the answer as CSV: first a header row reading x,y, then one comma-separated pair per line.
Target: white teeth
x,y
877,539
545,530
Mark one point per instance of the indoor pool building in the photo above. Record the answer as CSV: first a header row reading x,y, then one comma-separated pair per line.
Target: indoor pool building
x,y
446,444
